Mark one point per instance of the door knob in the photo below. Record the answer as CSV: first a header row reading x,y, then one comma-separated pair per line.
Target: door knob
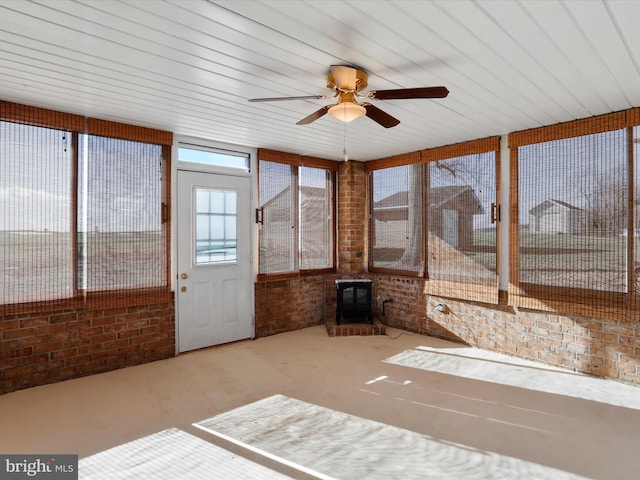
x,y
183,289
183,276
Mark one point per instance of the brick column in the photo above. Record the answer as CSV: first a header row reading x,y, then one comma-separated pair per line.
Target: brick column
x,y
352,218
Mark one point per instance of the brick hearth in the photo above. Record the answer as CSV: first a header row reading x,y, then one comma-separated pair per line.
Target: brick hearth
x,y
349,329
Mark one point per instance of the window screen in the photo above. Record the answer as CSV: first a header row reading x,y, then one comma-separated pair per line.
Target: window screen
x,y
316,218
120,242
278,200
574,234
36,242
81,211
297,197
434,214
461,219
396,221
573,203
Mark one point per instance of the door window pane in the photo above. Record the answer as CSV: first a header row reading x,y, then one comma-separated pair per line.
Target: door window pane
x,y
216,221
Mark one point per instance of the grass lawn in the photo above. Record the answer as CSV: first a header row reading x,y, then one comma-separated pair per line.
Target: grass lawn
x,y
39,265
576,261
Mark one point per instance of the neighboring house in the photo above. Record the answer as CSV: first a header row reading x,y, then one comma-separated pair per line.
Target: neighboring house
x,y
555,216
278,227
451,212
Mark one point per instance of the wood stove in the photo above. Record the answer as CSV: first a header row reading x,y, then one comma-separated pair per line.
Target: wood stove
x,y
353,300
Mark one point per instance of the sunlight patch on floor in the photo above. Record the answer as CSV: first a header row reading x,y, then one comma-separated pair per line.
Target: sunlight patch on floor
x,y
336,445
476,364
169,455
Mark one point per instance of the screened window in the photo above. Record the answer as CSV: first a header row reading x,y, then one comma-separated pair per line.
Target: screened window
x,y
396,221
573,203
36,242
461,213
81,210
297,215
434,214
575,233
120,242
278,202
316,218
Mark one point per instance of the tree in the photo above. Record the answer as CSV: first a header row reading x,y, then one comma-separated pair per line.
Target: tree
x,y
606,197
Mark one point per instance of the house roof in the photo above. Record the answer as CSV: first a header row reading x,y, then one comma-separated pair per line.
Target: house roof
x,y
398,199
546,204
306,192
438,196
452,197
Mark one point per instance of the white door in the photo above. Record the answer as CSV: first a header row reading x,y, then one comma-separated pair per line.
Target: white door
x,y
214,286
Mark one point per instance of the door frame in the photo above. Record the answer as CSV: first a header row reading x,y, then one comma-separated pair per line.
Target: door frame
x,y
202,168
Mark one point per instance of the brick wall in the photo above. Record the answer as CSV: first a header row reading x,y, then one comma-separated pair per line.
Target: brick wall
x,y
36,349
352,218
600,347
286,305
589,345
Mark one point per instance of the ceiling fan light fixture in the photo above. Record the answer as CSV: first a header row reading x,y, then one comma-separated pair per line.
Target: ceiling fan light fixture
x,y
347,83
347,111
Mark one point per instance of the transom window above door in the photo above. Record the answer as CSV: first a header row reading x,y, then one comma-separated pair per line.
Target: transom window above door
x,y
213,157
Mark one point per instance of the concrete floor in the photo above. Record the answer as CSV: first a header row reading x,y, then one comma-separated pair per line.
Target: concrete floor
x,y
593,439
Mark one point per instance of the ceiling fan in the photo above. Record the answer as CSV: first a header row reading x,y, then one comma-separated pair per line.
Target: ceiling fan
x,y
348,82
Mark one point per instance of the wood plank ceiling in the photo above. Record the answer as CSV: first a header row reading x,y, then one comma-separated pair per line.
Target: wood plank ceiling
x,y
190,66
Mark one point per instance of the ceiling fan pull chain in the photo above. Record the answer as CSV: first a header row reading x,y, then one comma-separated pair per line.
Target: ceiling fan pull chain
x,y
344,149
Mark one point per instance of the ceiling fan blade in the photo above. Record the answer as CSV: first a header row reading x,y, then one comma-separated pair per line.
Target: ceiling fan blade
x,y
377,115
344,77
314,116
421,92
280,99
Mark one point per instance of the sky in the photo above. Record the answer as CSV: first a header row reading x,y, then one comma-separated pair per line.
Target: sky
x,y
119,182
118,179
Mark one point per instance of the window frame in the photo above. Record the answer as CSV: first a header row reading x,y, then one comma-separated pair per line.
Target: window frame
x,y
421,271
473,292
77,125
331,230
203,146
297,161
572,300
